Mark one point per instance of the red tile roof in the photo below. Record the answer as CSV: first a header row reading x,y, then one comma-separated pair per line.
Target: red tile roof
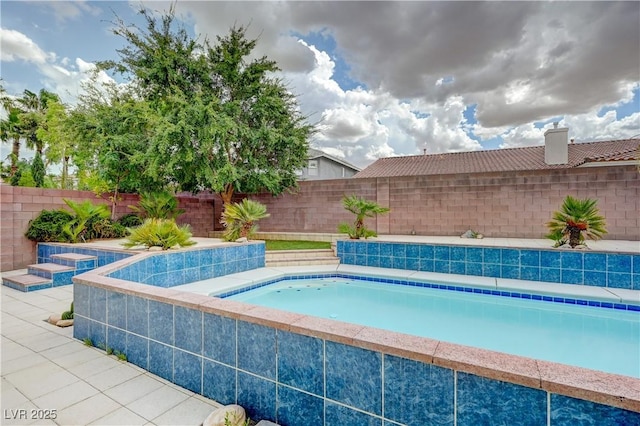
x,y
500,160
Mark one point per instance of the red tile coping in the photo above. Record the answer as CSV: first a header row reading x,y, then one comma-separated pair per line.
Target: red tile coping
x,y
600,387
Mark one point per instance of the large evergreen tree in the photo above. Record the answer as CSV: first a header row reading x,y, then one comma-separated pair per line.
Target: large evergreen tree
x,y
222,122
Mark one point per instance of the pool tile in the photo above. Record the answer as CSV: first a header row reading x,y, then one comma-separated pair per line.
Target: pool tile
x,y
570,260
427,265
619,263
138,350
159,263
595,262
635,264
80,327
415,391
219,382
491,270
386,262
339,415
161,360
474,268
188,329
162,318
530,258
510,271
97,334
386,249
458,267
258,349
485,401
361,260
361,249
293,406
442,253
426,251
258,396
353,376
635,281
191,275
220,339
458,254
530,273
398,262
441,266
567,411
399,250
137,315
550,275
510,256
373,261
491,255
98,304
412,263
117,339
174,278
473,254
595,278
300,362
619,280
413,250
373,249
549,259
570,276
81,294
116,309
187,370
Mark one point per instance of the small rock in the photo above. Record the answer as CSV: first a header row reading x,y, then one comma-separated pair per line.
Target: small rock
x,y
155,248
54,318
468,234
479,236
229,415
242,240
64,323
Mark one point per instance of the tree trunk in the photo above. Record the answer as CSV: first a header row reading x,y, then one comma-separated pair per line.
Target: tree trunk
x,y
227,194
574,236
15,155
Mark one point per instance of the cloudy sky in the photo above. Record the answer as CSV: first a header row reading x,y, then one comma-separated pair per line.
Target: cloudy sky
x,y
384,78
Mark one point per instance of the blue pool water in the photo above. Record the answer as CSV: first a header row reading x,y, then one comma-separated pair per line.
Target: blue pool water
x,y
585,336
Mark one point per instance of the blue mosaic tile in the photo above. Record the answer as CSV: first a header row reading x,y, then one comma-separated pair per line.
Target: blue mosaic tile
x,y
509,271
361,249
137,315
482,401
354,376
386,249
530,258
567,411
398,262
414,392
97,334
474,254
530,273
551,275
258,354
571,260
80,327
510,256
117,339
620,263
473,268
175,278
426,251
138,350
205,257
294,406
300,362
219,382
386,262
191,275
81,294
458,253
188,329
427,265
373,249
491,270
595,278
412,263
458,267
116,309
220,339
570,276
339,415
258,396
491,255
373,261
98,304
441,266
635,264
635,281
595,262
161,360
361,260
619,280
399,250
218,269
442,253
187,370
162,327
159,263
413,250
549,259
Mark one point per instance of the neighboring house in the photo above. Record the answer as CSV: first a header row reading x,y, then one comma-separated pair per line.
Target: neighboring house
x,y
321,165
557,153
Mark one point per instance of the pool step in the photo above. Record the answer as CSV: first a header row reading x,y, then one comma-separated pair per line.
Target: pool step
x,y
301,257
27,282
80,262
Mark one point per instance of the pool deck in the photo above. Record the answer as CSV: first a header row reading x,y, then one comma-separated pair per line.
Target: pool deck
x,y
44,367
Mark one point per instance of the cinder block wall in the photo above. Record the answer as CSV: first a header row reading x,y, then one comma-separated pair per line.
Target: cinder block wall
x,y
506,205
18,205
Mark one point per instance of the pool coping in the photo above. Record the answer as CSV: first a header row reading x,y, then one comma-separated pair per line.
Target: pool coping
x,y
600,387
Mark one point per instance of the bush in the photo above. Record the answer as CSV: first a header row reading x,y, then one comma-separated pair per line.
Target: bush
x,y
158,205
164,233
48,226
130,220
104,228
239,219
362,208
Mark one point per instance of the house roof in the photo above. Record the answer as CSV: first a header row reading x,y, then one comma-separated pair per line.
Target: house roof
x,y
315,153
501,160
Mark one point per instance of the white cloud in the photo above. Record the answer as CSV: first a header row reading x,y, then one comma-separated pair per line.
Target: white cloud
x,y
71,10
16,46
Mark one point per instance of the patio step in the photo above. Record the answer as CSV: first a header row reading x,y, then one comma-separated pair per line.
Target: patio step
x,y
58,274
80,262
301,257
27,282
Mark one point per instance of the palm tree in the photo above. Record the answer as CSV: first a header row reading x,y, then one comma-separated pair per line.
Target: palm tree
x,y
239,219
362,208
10,129
34,107
576,220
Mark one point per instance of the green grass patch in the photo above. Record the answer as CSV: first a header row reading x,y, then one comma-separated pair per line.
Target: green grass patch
x,y
296,245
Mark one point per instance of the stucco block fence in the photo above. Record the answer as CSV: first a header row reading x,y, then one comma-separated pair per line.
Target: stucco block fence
x,y
301,370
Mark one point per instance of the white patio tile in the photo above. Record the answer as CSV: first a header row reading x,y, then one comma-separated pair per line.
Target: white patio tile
x,y
189,412
134,389
120,373
121,416
158,402
64,397
87,411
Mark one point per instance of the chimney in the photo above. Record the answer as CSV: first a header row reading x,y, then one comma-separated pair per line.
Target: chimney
x,y
556,150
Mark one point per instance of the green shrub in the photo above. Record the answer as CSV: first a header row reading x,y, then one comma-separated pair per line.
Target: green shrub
x,y
97,228
164,233
48,226
67,315
158,205
76,230
576,219
130,220
239,219
362,208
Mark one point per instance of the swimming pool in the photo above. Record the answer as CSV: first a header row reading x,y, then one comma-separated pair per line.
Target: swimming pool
x,y
585,333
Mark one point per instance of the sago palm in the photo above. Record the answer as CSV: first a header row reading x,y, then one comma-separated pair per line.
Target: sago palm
x,y
239,219
577,219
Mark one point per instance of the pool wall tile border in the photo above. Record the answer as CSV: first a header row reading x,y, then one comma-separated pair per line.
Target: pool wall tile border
x,y
482,375
614,270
